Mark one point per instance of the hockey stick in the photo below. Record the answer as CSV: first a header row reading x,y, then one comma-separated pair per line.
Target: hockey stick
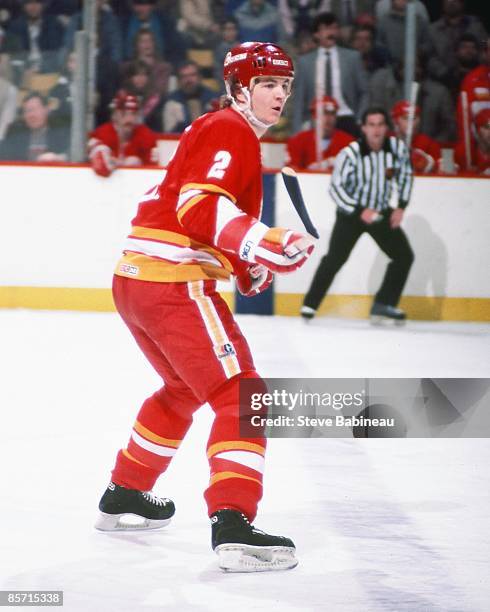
x,y
414,90
466,129
292,185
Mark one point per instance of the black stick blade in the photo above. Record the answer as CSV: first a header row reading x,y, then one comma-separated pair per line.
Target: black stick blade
x,y
292,185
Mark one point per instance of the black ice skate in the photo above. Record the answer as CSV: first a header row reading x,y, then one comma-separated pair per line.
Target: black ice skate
x,y
242,548
119,502
382,312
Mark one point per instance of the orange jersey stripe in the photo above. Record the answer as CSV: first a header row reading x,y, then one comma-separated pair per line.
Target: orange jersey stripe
x,y
224,475
210,187
149,435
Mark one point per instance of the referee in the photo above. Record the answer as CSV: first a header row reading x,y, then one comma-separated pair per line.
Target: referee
x,y
361,188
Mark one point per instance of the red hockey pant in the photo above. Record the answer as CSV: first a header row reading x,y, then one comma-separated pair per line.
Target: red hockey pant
x,y
188,334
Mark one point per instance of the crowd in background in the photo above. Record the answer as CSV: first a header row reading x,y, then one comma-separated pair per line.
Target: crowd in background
x,y
169,55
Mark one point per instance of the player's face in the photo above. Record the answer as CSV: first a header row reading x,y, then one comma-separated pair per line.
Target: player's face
x,y
484,134
269,95
402,123
126,120
35,114
328,123
375,130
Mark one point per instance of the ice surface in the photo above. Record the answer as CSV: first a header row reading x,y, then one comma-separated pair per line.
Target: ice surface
x,y
380,525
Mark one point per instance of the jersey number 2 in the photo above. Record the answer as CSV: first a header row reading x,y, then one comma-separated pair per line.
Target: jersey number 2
x,y
222,160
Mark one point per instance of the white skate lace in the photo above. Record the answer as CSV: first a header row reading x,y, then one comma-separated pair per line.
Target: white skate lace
x,y
153,499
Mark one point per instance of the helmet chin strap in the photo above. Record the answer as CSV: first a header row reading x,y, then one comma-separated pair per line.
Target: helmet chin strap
x,y
246,107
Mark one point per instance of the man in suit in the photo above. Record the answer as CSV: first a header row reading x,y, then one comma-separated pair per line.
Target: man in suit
x,y
333,71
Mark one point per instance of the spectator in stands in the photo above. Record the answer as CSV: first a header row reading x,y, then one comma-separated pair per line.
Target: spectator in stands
x,y
350,13
8,104
340,72
11,62
64,7
425,152
41,36
305,153
190,100
258,20
297,17
34,138
145,16
383,7
446,32
62,93
229,39
138,82
391,31
475,89
197,23
437,110
146,51
305,42
467,56
109,37
123,141
373,56
477,157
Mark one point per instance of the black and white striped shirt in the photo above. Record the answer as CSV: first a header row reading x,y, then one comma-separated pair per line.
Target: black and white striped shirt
x,y
363,178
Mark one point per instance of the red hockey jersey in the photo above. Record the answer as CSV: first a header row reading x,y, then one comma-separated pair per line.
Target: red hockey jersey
x,y
425,154
218,154
480,160
141,144
477,87
302,149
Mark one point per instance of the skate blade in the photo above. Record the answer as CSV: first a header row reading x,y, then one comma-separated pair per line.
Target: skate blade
x,y
133,522
380,321
245,558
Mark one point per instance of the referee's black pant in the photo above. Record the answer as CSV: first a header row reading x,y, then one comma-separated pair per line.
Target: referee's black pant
x,y
346,232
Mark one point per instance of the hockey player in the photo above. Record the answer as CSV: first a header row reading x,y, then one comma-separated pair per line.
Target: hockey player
x,y
480,151
123,141
199,225
425,152
302,147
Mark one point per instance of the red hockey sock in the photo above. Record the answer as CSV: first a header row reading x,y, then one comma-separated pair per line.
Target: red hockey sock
x,y
236,463
157,433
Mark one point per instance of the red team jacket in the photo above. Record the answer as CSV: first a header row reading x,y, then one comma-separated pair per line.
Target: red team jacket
x,y
302,148
476,84
143,140
219,154
425,153
480,161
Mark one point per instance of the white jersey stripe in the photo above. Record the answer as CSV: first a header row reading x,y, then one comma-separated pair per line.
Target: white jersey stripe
x,y
162,451
251,460
171,252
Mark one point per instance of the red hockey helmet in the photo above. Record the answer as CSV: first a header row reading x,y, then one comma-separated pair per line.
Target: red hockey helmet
x,y
329,105
249,60
402,109
124,101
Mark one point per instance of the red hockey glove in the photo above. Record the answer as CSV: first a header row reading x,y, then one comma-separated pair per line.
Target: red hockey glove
x,y
102,161
255,280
